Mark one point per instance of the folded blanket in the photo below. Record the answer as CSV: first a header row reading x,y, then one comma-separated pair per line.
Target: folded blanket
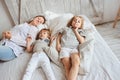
x,y
53,54
86,51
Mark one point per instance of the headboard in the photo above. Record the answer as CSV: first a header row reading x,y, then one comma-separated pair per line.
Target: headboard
x,y
22,10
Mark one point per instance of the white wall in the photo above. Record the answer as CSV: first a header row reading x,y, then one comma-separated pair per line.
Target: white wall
x,y
5,18
110,9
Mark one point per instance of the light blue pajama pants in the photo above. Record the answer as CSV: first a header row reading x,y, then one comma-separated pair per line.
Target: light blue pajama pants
x,y
39,60
6,53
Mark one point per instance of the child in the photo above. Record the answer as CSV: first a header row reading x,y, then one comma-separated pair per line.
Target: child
x,y
67,45
39,58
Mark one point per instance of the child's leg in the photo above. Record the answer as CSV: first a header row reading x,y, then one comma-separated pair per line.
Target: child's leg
x,y
65,58
67,66
32,65
45,64
75,66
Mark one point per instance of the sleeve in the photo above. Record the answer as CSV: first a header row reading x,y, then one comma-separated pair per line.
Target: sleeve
x,y
82,32
16,37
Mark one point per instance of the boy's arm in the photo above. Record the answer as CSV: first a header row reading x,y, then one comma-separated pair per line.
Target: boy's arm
x,y
29,46
58,45
51,40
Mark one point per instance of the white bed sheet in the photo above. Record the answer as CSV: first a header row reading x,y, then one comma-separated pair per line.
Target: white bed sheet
x,y
104,66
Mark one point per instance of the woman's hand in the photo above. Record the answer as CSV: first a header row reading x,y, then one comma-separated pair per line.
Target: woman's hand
x,y
6,35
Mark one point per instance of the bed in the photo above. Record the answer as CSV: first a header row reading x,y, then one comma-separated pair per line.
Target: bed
x,y
104,64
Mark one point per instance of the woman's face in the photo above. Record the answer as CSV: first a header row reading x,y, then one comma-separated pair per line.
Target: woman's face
x,y
38,20
76,23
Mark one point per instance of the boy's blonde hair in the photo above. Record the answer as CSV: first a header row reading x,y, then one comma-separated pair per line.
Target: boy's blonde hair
x,y
70,22
48,32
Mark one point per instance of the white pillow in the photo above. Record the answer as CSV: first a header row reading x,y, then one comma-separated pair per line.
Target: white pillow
x,y
41,26
50,15
87,23
57,21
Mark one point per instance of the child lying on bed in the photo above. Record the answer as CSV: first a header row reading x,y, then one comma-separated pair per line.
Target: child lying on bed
x,y
39,58
67,45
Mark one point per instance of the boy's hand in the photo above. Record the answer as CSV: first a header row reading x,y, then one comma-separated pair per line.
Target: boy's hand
x,y
52,38
28,39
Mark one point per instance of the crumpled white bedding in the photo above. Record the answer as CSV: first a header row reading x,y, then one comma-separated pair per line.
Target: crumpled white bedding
x,y
104,65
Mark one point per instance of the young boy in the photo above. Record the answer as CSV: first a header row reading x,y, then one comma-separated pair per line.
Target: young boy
x,y
39,58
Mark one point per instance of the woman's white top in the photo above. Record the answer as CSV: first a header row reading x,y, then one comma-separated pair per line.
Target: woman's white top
x,y
19,35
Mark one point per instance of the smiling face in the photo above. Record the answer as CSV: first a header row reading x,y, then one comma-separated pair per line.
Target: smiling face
x,y
37,20
44,33
77,22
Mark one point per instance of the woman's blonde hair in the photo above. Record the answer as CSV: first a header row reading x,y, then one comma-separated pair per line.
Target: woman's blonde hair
x,y
70,22
35,17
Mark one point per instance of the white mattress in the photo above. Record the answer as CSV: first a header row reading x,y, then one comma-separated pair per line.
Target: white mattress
x,y
104,66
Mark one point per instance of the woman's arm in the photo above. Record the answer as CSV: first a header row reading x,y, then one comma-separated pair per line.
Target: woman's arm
x,y
58,45
80,38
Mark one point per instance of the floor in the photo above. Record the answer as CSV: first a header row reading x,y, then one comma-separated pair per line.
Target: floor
x,y
111,36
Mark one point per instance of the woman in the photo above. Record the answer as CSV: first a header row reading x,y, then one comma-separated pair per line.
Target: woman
x,y
14,41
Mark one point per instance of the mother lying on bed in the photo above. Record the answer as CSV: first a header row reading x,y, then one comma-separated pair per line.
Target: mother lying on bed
x,y
13,42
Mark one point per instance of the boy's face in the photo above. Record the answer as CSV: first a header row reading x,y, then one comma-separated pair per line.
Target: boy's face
x,y
44,34
76,23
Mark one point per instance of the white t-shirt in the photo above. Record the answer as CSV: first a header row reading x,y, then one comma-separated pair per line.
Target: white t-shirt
x,y
19,35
